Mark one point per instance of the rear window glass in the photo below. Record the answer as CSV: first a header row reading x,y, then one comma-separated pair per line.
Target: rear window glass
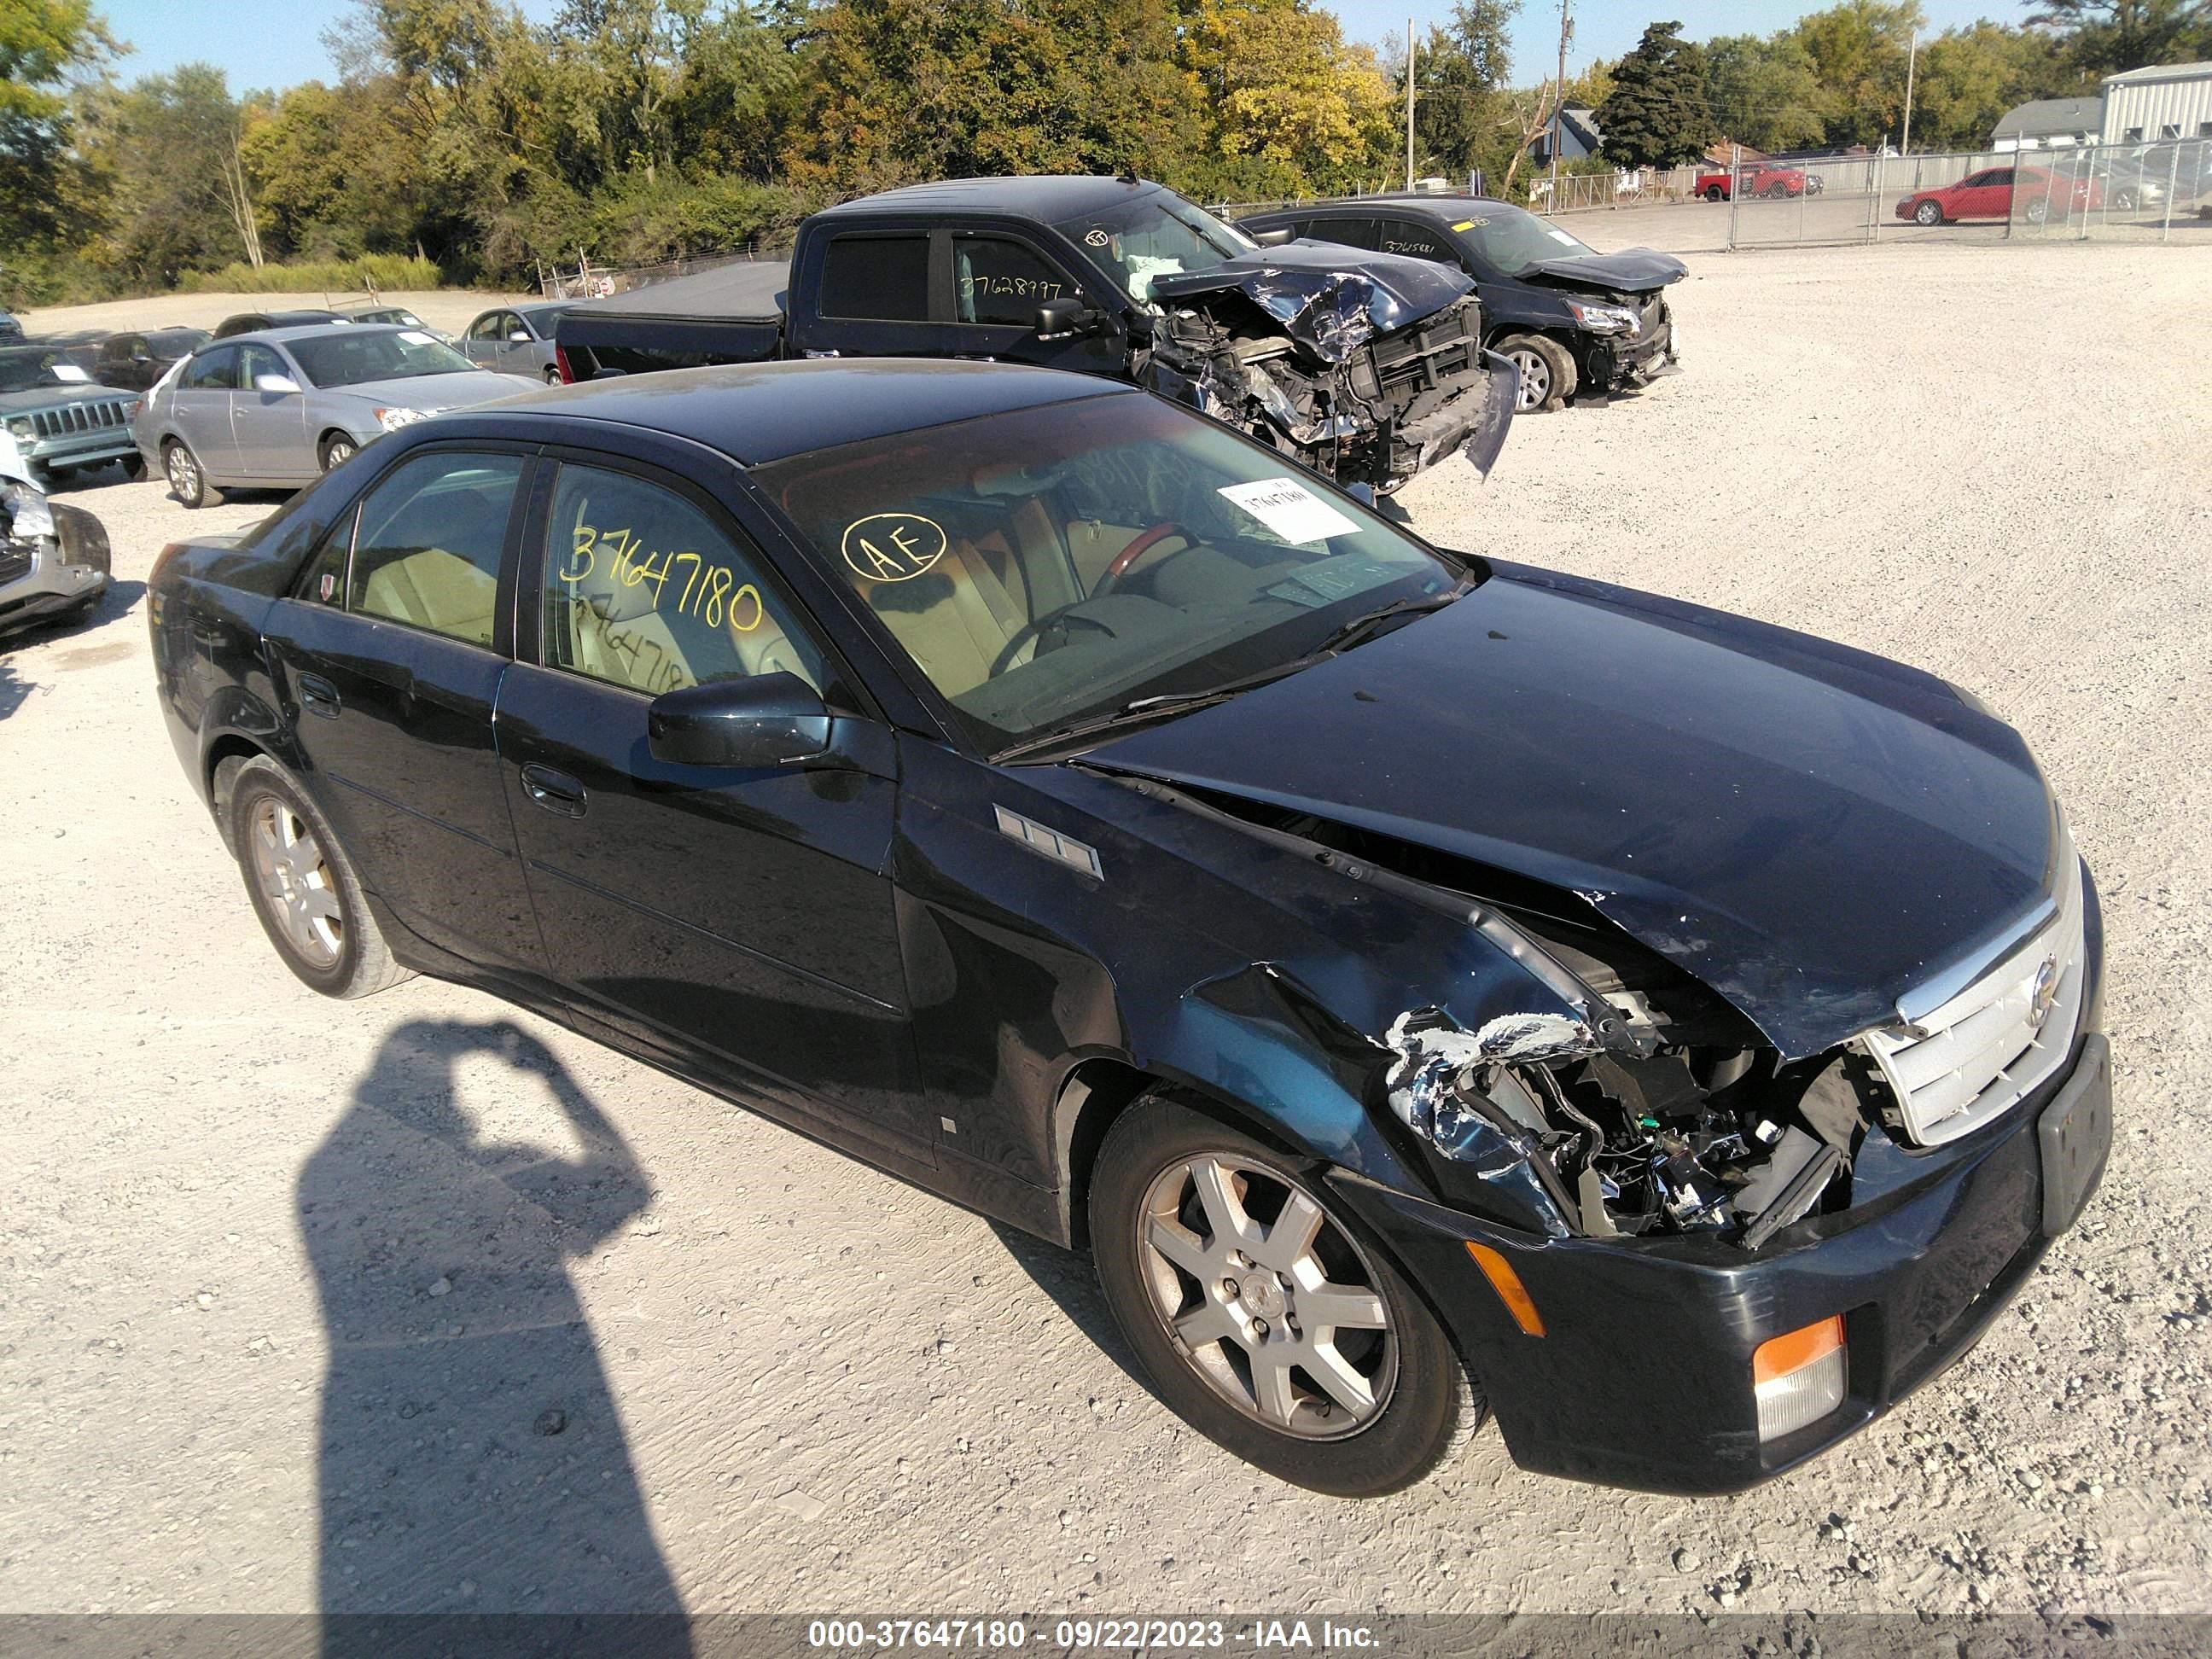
x,y
881,277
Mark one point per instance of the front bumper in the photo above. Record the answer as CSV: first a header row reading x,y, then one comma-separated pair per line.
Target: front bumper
x,y
1610,363
94,449
1642,1375
49,576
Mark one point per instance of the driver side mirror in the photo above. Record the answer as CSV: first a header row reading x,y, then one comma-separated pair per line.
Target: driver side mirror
x,y
1275,238
1066,317
274,383
768,720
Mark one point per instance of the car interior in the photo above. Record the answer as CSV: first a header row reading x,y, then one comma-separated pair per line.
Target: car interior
x,y
428,550
1035,595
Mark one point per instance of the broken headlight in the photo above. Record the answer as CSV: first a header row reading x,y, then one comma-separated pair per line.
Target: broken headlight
x,y
1604,319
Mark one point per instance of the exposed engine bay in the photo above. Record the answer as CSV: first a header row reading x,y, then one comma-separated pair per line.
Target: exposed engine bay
x,y
1659,1110
1365,377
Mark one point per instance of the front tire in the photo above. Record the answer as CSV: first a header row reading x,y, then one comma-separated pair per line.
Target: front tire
x,y
187,482
337,448
1547,371
1263,1313
302,884
1929,213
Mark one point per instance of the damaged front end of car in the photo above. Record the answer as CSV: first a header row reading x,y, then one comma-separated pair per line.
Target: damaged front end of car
x,y
1365,369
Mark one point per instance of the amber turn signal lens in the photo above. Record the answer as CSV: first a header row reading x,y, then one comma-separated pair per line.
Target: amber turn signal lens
x,y
1511,1290
1778,1357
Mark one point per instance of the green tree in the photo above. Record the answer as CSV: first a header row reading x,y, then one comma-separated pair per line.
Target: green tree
x,y
1969,77
2107,37
1766,94
1858,52
1657,114
1460,117
168,150
46,194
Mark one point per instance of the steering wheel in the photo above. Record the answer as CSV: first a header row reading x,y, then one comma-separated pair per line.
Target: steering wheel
x,y
1030,630
1137,550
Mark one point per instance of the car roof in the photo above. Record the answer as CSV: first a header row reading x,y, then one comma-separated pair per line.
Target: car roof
x,y
286,332
1046,196
1427,204
762,412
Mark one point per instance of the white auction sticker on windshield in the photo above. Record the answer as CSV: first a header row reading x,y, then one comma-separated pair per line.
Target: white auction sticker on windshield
x,y
1290,509
416,337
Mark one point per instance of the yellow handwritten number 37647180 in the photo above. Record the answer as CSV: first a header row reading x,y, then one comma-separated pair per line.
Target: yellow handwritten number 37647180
x,y
711,593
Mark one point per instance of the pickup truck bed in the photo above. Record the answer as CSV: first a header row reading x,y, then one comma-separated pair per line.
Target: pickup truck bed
x,y
731,314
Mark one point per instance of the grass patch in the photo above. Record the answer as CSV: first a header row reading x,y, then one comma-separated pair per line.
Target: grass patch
x,y
382,270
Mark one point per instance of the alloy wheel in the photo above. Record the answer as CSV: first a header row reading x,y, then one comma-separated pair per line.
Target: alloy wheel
x,y
184,472
1267,1297
1535,379
296,880
337,451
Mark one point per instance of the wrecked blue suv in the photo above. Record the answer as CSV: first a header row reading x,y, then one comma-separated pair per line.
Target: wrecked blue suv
x,y
1423,983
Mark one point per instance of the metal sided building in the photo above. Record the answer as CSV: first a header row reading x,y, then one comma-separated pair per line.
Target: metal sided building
x,y
2163,102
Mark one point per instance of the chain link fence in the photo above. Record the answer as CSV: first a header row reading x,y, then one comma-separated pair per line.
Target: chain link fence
x,y
2136,193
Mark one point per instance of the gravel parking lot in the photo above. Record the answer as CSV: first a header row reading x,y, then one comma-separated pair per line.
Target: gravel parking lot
x,y
744,1373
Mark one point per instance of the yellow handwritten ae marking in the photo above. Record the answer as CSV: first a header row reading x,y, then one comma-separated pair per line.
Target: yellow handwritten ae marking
x,y
893,547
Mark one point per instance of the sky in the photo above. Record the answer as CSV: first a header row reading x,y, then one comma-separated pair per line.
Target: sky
x,y
278,43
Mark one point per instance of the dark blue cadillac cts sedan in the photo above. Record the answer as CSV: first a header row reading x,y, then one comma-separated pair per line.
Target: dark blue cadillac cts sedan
x,y
1427,986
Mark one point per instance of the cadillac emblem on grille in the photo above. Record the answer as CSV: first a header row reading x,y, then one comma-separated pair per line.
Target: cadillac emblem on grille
x,y
2043,993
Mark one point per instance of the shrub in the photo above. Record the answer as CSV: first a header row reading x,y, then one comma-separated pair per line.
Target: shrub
x,y
382,270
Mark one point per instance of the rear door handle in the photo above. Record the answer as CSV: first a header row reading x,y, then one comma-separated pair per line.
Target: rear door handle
x,y
557,792
318,696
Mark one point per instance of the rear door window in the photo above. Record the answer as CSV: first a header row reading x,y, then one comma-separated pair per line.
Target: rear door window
x,y
1348,232
428,548
876,278
215,371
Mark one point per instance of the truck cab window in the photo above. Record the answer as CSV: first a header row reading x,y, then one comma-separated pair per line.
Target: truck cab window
x,y
997,281
882,278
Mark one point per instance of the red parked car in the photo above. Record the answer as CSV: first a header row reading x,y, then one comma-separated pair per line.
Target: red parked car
x,y
1758,180
1988,194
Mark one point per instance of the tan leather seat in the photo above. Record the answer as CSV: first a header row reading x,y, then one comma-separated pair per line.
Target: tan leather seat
x,y
964,623
436,590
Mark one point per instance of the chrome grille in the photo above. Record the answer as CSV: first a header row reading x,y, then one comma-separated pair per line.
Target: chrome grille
x,y
1966,1061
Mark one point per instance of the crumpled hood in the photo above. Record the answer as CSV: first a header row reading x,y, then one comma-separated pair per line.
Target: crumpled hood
x,y
1631,271
1809,830
1327,297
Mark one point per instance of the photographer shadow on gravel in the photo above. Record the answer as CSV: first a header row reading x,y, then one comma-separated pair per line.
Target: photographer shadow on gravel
x,y
472,1460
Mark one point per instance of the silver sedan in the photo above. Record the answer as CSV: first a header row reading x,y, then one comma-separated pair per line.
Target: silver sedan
x,y
516,340
280,407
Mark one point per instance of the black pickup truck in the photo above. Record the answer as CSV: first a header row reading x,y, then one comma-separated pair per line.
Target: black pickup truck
x,y
1364,366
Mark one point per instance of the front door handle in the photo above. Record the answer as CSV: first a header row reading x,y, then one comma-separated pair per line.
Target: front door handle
x,y
318,696
557,792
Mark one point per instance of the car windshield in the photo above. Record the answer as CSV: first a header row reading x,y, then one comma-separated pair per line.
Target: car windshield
x,y
31,370
1515,242
352,356
177,342
1047,567
1156,235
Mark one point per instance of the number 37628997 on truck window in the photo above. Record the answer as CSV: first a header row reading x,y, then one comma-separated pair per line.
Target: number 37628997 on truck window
x,y
1422,982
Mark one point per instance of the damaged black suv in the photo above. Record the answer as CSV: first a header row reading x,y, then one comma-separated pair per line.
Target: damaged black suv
x,y
1419,981
1569,320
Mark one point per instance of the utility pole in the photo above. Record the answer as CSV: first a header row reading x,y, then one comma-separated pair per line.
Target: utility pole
x,y
1911,62
1409,104
1559,101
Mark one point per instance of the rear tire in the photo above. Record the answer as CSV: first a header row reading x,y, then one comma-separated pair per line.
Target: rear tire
x,y
552,377
301,883
134,467
1714,193
1397,1387
1547,371
187,482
